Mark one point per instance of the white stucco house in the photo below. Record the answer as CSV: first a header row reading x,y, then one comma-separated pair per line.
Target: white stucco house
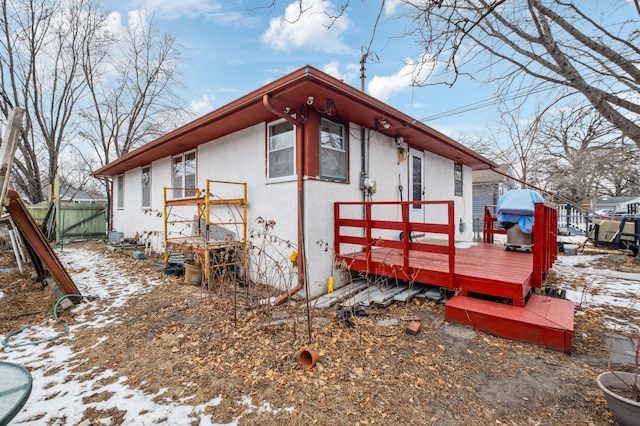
x,y
300,143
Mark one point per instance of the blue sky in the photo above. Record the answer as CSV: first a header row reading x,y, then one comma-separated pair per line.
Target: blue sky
x,y
236,46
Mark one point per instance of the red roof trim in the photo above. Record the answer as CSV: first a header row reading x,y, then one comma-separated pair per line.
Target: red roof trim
x,y
250,110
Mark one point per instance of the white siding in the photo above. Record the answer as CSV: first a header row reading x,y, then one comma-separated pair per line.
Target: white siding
x,y
241,157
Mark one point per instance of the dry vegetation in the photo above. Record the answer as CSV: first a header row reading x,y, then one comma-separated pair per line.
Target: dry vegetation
x,y
194,342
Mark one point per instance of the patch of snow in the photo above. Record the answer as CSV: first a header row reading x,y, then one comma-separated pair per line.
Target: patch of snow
x,y
60,393
600,288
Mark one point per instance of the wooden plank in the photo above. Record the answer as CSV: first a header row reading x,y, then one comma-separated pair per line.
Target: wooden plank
x,y
340,294
385,297
409,293
190,201
8,147
364,297
36,239
235,201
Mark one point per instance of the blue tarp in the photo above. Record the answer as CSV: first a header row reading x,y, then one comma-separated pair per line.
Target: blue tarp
x,y
517,206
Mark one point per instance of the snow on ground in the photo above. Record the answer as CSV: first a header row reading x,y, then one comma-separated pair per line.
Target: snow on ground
x,y
601,289
59,392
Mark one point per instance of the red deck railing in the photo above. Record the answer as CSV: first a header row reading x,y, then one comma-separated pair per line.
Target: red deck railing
x,y
364,227
545,237
490,227
545,241
366,223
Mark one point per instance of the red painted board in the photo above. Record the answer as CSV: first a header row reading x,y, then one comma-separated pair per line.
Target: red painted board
x,y
34,236
543,321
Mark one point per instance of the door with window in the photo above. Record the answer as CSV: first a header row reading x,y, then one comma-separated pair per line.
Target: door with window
x,y
416,184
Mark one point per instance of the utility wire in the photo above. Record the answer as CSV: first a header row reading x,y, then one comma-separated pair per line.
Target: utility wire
x,y
511,95
482,104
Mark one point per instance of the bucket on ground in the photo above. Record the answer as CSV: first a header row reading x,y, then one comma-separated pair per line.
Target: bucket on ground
x,y
192,274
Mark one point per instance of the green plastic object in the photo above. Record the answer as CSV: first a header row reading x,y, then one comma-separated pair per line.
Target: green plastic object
x,y
138,255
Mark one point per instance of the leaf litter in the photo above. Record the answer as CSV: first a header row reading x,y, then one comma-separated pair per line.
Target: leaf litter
x,y
150,349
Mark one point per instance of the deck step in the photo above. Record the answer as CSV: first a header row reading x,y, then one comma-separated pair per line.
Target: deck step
x,y
543,321
340,294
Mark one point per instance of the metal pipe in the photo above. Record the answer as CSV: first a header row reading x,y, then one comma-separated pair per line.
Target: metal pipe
x,y
266,101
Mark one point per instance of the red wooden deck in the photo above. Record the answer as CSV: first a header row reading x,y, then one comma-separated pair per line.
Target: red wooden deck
x,y
494,286
486,269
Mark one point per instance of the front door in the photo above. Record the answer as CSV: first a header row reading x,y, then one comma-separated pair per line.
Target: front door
x,y
416,184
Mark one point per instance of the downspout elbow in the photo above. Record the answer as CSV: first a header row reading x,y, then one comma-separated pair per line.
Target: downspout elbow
x,y
266,101
286,296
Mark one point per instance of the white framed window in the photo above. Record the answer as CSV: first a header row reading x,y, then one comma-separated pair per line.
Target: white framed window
x,y
281,156
120,199
457,175
146,186
333,150
183,167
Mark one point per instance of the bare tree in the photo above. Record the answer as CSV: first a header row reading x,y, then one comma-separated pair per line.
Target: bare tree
x,y
620,176
41,48
589,48
78,81
513,140
132,89
584,155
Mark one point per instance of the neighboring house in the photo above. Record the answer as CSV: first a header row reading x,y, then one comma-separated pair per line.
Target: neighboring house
x,y
614,204
78,196
300,143
488,187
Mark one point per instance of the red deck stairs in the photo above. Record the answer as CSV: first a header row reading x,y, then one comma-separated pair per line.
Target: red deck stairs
x,y
544,321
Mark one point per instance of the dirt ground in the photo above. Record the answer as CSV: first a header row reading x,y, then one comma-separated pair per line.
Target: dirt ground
x,y
206,344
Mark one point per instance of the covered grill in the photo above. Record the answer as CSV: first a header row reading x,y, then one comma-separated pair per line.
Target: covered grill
x,y
515,213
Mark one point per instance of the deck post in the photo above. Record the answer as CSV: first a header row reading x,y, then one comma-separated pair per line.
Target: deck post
x,y
336,230
452,244
406,229
368,240
545,223
539,246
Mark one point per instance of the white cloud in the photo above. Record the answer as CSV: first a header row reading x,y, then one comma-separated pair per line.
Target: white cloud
x,y
390,6
348,75
137,21
177,9
311,29
383,87
113,24
212,10
202,106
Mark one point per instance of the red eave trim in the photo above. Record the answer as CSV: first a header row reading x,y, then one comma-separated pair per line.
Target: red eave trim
x,y
303,75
